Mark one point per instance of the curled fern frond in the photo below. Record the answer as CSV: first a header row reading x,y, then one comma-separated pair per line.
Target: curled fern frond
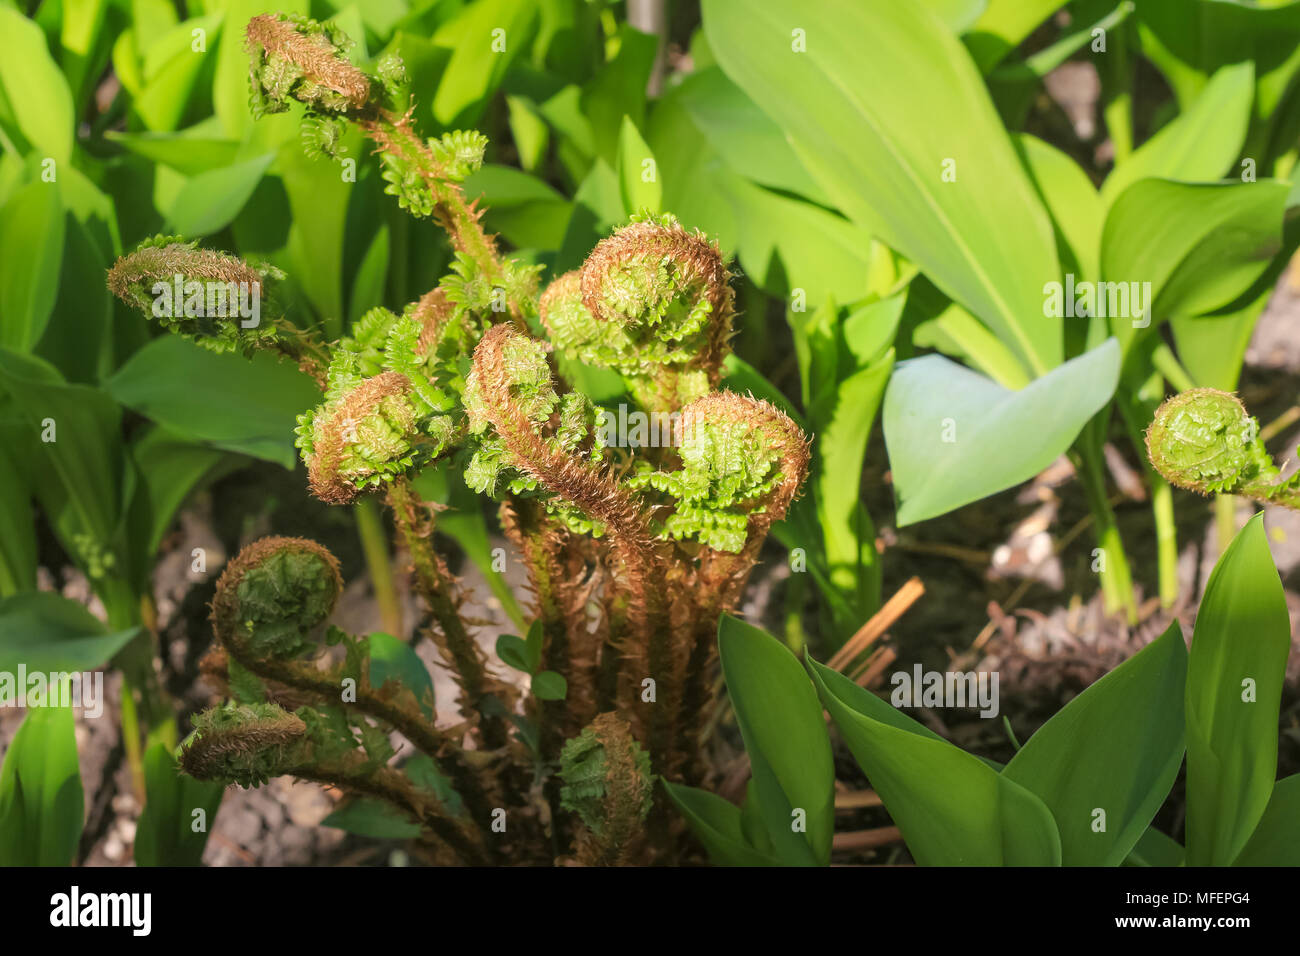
x,y
652,300
274,597
608,784
245,744
1205,440
296,58
742,463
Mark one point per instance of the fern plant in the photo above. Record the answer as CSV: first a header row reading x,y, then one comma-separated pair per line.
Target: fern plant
x,y
632,553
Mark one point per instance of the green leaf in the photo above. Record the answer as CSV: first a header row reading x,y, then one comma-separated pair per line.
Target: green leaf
x,y
372,817
208,202
186,152
31,247
17,530
42,804
638,174
1155,849
168,468
1201,144
484,39
78,474
178,815
1087,758
785,737
1234,688
860,133
391,659
953,809
171,72
1213,347
1070,196
955,437
1003,25
1199,245
1276,840
36,111
522,655
243,405
718,825
548,685
49,633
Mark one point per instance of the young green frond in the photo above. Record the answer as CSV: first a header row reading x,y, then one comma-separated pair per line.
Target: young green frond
x,y
742,462
274,596
652,300
1206,441
245,744
296,58
609,785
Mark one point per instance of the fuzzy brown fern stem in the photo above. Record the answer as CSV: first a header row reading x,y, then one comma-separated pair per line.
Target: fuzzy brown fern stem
x,y
593,491
557,575
462,654
295,58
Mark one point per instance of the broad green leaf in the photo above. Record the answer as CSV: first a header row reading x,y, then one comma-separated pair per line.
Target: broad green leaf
x,y
178,813
1003,25
243,405
717,824
744,136
618,90
1201,144
42,805
17,529
1234,687
638,174
69,442
1199,245
36,111
953,809
1155,849
955,437
1085,759
172,69
391,659
484,39
930,188
47,632
1213,347
31,247
548,685
1276,840
168,468
372,817
785,737
78,337
209,201
1070,197
959,15
188,154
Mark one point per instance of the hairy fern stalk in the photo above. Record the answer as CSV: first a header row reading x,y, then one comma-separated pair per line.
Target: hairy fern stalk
x,y
632,553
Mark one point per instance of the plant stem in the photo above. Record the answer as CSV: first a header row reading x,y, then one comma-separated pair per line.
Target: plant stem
x,y
131,740
374,544
1162,508
458,647
1225,520
1116,579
